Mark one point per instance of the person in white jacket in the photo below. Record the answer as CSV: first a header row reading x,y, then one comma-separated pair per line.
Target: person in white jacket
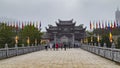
x,y
51,45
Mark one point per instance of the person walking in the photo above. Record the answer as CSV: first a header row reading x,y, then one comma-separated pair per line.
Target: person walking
x,y
61,46
51,45
57,46
46,47
65,47
54,46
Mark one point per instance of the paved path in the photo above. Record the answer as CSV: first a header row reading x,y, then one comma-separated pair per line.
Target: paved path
x,y
72,58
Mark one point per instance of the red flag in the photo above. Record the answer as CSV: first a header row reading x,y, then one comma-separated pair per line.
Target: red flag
x,y
93,25
22,26
40,25
99,25
10,24
33,24
19,24
16,26
117,25
30,23
90,25
96,25
102,25
111,25
114,24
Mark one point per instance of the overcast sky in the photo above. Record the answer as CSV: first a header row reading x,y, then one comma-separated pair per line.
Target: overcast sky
x,y
49,11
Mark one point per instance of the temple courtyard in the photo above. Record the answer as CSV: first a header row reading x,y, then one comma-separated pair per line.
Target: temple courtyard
x,y
71,58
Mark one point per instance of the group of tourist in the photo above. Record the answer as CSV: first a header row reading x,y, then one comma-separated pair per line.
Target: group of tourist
x,y
55,46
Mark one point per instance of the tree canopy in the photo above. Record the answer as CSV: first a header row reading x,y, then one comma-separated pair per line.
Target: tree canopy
x,y
32,33
8,34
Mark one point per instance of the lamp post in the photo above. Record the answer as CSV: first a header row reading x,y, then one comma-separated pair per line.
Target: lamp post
x,y
73,39
91,40
86,40
110,37
28,41
98,40
111,41
16,44
16,40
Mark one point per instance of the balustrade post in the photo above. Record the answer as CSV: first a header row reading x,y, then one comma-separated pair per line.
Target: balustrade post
x,y
104,45
22,45
6,48
95,44
16,47
23,48
112,50
32,47
113,45
99,45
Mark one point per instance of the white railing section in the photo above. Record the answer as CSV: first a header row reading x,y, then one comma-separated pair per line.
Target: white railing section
x,y
109,53
10,52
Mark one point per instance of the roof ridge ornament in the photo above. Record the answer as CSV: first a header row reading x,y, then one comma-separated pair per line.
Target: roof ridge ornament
x,y
65,20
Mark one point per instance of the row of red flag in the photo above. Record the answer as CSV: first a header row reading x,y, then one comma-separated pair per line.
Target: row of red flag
x,y
22,24
104,25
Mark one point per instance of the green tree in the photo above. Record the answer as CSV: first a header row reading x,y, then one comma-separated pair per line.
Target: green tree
x,y
30,32
105,39
118,41
6,35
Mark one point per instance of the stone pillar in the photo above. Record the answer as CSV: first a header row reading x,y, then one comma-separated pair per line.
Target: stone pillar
x,y
6,47
16,47
55,38
88,43
113,45
99,45
95,44
73,39
32,45
35,44
104,45
22,45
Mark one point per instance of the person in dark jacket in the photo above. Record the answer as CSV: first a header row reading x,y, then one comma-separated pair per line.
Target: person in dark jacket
x,y
46,47
65,47
53,46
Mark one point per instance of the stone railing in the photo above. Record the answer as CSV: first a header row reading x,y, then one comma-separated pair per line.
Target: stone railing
x,y
109,53
10,52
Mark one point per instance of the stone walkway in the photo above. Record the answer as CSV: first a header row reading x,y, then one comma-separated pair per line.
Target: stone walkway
x,y
71,58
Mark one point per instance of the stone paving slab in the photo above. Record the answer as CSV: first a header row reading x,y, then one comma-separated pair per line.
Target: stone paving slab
x,y
71,58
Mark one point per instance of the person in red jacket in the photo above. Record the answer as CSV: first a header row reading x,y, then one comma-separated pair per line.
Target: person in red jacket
x,y
56,46
61,46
